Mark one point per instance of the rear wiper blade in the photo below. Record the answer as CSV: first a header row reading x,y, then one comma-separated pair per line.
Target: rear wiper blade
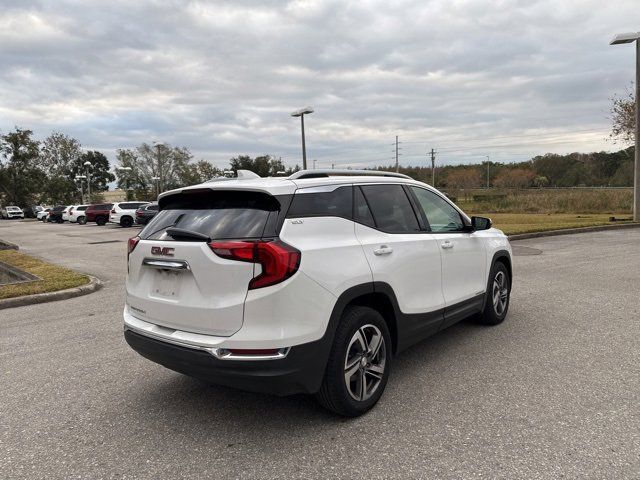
x,y
183,233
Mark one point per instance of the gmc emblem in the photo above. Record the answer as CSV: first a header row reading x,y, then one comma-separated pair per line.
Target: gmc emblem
x,y
166,251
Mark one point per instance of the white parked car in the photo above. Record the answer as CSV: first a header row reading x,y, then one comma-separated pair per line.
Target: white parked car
x,y
308,284
42,214
76,214
11,211
124,213
66,211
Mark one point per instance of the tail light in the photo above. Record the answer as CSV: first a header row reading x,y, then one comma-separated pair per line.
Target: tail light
x,y
278,260
131,245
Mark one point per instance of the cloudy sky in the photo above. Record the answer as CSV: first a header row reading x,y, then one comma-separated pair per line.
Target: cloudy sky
x,y
504,78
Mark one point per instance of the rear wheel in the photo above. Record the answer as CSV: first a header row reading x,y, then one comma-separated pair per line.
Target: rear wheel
x,y
498,295
359,363
101,220
82,220
126,222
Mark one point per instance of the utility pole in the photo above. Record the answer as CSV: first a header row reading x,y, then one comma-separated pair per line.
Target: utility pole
x,y
333,165
433,168
397,165
487,170
88,165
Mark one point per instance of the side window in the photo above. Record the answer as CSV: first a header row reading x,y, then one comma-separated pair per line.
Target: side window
x,y
152,207
361,211
319,203
442,217
391,209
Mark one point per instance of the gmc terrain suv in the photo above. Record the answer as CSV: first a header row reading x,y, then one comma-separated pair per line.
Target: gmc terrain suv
x,y
311,283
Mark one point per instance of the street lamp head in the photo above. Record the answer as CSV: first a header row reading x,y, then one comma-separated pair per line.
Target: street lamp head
x,y
80,177
155,178
87,163
302,111
123,169
625,38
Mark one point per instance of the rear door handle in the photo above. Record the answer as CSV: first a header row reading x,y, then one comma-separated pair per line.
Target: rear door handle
x,y
447,244
383,250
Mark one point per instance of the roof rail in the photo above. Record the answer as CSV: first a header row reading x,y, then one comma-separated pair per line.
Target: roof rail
x,y
320,173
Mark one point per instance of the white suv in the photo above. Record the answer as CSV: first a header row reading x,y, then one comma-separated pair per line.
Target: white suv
x,y
11,212
124,213
76,214
311,283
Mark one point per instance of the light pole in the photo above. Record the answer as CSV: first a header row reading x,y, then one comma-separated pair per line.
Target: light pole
x,y
155,181
80,178
630,38
301,113
87,166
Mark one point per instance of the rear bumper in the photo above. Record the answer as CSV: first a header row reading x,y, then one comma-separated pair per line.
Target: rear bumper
x,y
301,371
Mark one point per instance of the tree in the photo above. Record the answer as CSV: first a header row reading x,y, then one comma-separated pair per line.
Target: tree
x,y
464,178
198,172
161,161
264,165
100,174
20,175
540,181
623,118
58,152
514,178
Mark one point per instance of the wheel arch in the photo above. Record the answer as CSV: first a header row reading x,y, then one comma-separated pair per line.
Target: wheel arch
x,y
373,295
502,256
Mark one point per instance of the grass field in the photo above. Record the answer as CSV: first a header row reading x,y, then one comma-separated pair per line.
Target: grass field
x,y
512,223
53,277
566,201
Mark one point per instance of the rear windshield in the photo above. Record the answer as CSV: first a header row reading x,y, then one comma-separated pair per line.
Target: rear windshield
x,y
222,214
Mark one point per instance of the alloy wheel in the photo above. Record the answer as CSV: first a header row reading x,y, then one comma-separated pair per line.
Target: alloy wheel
x,y
500,293
364,362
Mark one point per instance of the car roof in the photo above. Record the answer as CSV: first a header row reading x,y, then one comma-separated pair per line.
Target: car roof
x,y
288,185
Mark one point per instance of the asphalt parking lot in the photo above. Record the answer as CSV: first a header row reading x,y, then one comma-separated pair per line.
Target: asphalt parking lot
x,y
553,392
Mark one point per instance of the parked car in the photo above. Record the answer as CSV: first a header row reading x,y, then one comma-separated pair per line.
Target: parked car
x,y
98,213
308,284
43,214
55,214
146,212
11,211
124,213
76,214
32,212
66,212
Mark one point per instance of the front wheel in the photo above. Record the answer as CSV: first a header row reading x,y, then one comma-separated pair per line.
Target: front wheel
x,y
101,221
498,295
359,363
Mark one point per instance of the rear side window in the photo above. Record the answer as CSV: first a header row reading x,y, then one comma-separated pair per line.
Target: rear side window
x,y
106,206
81,209
130,206
322,202
152,207
391,209
221,214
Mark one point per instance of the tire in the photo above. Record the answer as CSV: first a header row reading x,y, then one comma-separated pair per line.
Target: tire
x,y
126,222
101,221
355,335
498,295
82,220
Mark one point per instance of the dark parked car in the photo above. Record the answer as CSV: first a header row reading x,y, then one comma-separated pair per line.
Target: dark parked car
x,y
145,213
98,213
55,214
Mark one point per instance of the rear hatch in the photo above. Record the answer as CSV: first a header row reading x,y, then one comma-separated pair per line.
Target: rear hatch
x,y
176,280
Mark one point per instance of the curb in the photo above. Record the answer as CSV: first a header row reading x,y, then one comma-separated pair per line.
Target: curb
x,y
569,231
93,285
6,245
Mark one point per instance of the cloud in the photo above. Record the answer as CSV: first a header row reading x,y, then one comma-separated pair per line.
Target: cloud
x,y
222,77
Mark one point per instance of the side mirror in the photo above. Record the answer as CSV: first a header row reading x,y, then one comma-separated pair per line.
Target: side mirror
x,y
481,223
